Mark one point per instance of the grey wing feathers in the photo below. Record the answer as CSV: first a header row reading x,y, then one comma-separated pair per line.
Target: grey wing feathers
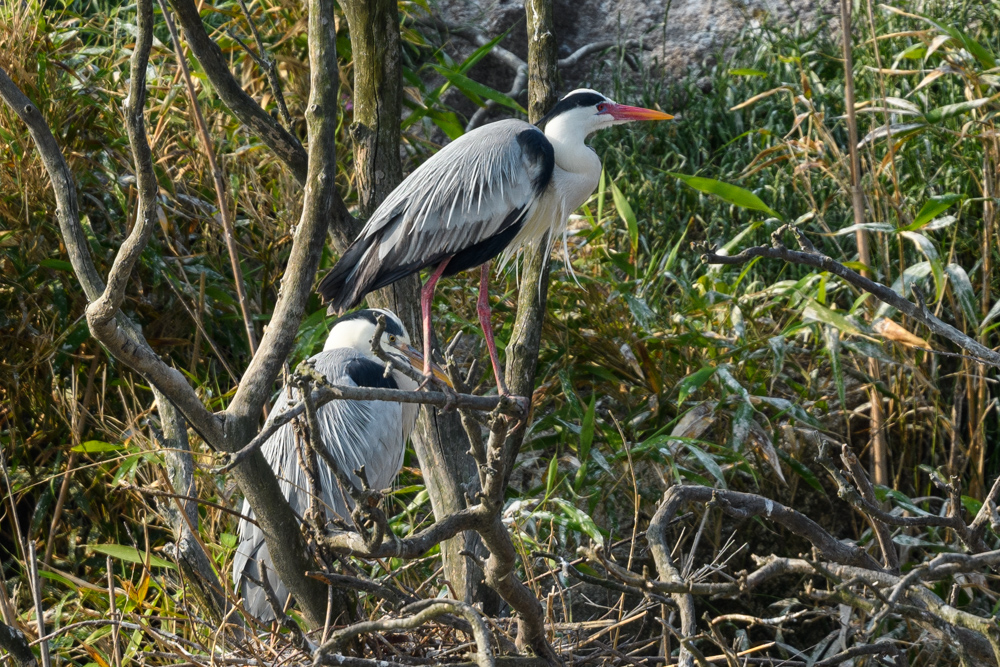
x,y
468,189
369,433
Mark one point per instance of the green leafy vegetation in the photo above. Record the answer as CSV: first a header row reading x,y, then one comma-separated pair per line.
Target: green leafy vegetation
x,y
656,369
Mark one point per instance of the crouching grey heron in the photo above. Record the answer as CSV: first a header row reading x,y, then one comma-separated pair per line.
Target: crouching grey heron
x,y
355,433
489,192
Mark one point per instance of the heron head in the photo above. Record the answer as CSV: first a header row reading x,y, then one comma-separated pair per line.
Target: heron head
x,y
585,111
356,330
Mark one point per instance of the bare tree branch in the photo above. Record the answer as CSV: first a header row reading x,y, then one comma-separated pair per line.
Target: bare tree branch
x,y
310,234
811,257
351,543
14,642
889,553
424,611
188,551
879,648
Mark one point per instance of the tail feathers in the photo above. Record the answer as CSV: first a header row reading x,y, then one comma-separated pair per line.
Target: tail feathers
x,y
252,549
351,278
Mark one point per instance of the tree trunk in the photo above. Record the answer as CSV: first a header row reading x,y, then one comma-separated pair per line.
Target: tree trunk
x,y
439,439
191,558
522,353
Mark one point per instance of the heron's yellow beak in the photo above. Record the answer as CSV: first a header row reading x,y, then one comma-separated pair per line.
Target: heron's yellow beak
x,y
416,359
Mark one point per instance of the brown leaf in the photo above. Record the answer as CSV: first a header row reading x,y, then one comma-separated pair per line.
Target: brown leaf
x,y
892,331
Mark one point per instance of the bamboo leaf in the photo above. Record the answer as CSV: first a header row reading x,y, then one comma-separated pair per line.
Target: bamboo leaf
x,y
868,226
802,471
912,275
931,209
481,52
832,339
550,476
994,311
742,423
586,440
893,130
693,383
708,462
475,90
727,192
949,110
579,520
129,555
961,286
816,311
95,446
924,244
628,215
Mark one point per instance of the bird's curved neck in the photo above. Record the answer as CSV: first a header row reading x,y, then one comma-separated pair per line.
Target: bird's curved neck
x,y
571,151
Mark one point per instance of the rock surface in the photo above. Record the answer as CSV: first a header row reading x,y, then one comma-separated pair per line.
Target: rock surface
x,y
678,34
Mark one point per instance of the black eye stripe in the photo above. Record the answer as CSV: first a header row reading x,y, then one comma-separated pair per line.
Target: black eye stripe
x,y
570,102
392,325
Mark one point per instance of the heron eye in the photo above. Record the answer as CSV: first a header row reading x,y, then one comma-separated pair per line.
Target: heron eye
x,y
602,107
392,339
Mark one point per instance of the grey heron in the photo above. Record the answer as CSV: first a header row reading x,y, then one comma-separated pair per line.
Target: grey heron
x,y
488,193
356,433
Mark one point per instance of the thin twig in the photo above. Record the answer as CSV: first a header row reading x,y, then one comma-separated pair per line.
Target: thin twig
x,y
269,65
218,182
424,611
116,660
36,594
79,411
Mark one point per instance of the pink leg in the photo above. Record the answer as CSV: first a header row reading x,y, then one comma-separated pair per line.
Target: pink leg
x,y
426,297
485,320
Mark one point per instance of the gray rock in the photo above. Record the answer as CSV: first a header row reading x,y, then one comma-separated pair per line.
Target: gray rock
x,y
678,34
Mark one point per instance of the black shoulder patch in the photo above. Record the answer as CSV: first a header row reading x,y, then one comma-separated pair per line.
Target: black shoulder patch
x,y
538,148
368,373
570,102
392,325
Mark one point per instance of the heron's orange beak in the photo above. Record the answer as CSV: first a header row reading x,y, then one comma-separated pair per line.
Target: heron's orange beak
x,y
416,359
624,112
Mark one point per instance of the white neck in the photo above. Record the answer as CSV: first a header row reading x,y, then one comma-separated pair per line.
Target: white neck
x,y
568,133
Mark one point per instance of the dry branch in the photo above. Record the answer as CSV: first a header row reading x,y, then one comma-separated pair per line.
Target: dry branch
x,y
809,256
423,612
742,506
14,642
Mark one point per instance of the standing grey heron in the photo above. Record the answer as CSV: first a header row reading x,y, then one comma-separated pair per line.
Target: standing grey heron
x,y
355,433
489,192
